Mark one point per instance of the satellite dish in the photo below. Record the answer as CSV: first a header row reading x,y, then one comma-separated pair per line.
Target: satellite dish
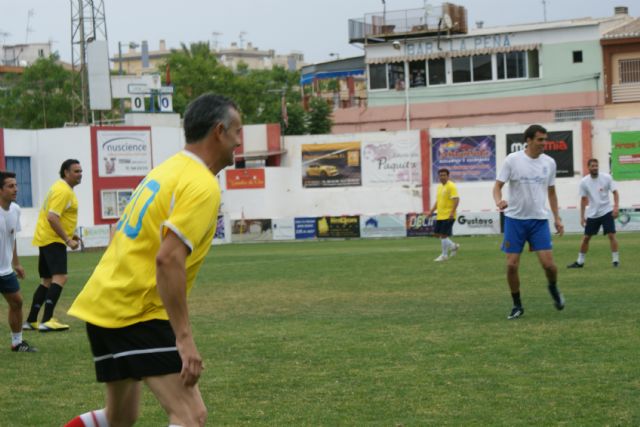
x,y
446,21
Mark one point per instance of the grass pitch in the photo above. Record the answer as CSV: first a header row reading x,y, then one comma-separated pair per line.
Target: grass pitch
x,y
373,332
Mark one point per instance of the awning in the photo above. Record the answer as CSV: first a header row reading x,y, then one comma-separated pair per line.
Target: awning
x,y
308,78
254,155
453,54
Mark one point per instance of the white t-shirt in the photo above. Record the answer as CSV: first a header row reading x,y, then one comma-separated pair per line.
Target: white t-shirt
x,y
529,180
597,190
9,227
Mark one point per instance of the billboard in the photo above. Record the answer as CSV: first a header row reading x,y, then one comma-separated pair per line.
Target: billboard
x,y
283,229
338,226
240,179
477,223
468,158
251,230
97,236
331,165
420,224
382,226
123,152
391,162
305,228
559,146
625,155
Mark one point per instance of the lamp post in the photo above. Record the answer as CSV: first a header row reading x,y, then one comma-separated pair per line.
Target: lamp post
x,y
132,45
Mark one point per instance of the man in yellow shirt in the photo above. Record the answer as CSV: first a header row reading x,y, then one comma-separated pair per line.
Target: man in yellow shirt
x,y
135,302
447,200
55,230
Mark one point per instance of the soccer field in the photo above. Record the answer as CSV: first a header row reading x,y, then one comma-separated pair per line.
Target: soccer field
x,y
373,332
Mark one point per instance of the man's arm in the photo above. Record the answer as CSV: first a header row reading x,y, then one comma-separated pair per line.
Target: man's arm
x,y
584,201
15,263
616,206
456,202
553,203
54,222
433,209
497,195
171,281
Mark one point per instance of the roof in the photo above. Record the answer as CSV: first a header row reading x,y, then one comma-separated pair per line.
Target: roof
x,y
534,26
629,30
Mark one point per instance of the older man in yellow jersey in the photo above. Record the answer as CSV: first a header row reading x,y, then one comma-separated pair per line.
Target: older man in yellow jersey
x,y
135,302
447,200
55,231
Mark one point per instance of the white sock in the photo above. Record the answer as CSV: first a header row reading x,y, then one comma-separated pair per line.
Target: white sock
x,y
581,257
615,256
16,338
99,415
445,247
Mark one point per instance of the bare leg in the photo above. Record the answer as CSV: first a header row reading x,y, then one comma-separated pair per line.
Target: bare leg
x,y
584,245
123,401
183,405
513,262
613,242
15,311
550,269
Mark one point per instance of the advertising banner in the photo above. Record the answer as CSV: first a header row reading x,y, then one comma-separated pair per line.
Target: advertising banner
x,y
382,226
477,223
123,152
240,179
305,228
97,236
628,220
251,230
391,162
283,229
220,232
338,226
331,165
420,224
625,155
559,146
468,158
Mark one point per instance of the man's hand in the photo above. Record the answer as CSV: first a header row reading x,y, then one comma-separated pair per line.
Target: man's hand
x,y
74,242
192,365
559,227
502,205
616,212
583,222
19,271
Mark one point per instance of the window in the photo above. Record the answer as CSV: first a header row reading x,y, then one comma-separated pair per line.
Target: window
x,y
461,68
40,53
396,75
533,64
417,74
577,56
512,65
481,68
21,166
574,115
437,72
629,70
378,76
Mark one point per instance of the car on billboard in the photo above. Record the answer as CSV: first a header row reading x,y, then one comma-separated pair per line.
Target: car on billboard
x,y
322,170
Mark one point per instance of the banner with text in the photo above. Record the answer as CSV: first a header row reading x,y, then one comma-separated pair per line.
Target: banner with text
x,y
240,179
123,152
382,225
97,236
468,158
283,229
420,224
391,162
477,223
338,226
248,230
559,146
625,155
305,228
331,165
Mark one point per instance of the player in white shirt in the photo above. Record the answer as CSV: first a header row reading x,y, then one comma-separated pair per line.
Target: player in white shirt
x,y
531,175
594,196
10,268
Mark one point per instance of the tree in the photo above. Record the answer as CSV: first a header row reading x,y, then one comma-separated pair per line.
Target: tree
x,y
41,97
297,120
319,121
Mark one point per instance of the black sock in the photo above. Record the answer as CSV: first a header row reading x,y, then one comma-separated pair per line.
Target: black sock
x,y
50,303
516,299
38,299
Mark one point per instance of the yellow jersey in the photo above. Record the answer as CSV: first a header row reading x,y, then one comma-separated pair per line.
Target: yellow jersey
x,y
445,200
62,201
181,195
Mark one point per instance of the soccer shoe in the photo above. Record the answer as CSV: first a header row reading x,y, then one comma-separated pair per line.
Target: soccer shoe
x,y
454,250
558,299
616,263
24,347
52,325
30,326
515,313
441,258
575,265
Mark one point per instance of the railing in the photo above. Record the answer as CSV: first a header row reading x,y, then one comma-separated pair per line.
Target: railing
x,y
627,92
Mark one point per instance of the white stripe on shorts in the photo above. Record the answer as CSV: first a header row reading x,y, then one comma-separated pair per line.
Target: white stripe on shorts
x,y
134,352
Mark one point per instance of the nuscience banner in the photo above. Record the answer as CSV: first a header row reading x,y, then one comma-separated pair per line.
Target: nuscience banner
x,y
391,162
559,146
123,152
468,158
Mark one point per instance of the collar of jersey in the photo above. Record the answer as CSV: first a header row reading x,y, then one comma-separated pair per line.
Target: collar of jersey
x,y
194,157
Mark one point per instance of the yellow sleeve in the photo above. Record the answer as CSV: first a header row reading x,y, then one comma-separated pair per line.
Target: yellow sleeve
x,y
194,211
58,202
454,192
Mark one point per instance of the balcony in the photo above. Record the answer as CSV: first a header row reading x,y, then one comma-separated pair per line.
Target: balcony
x,y
389,25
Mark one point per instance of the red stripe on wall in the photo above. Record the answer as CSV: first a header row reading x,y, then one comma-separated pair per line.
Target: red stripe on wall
x,y
425,160
110,183
587,148
273,143
2,163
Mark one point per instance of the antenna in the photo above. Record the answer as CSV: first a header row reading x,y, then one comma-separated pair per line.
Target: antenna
x,y
30,15
544,9
241,38
215,35
446,21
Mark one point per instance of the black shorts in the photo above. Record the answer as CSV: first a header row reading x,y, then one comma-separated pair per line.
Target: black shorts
x,y
593,225
52,260
137,351
9,284
444,227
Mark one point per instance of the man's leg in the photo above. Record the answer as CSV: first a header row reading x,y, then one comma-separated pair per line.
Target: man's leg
x,y
613,243
513,279
551,271
183,405
122,409
53,295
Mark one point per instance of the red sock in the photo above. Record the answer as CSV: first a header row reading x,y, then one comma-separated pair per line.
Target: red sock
x,y
90,419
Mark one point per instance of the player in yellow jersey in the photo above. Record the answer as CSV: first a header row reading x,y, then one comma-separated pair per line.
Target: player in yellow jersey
x,y
447,200
135,302
55,230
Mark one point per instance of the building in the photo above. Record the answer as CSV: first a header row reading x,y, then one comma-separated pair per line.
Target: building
x,y
23,55
426,68
342,82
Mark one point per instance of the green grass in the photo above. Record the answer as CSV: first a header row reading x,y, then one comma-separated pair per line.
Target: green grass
x,y
373,332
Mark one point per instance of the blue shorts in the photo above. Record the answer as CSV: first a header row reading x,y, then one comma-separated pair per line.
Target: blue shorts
x,y
519,231
606,221
9,284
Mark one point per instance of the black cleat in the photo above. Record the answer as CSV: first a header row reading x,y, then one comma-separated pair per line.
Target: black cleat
x,y
24,347
558,299
575,265
616,263
515,313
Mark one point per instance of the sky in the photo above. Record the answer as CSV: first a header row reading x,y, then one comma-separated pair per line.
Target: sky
x,y
315,28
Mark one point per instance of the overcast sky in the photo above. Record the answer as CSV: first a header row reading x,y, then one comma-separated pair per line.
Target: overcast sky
x,y
315,28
